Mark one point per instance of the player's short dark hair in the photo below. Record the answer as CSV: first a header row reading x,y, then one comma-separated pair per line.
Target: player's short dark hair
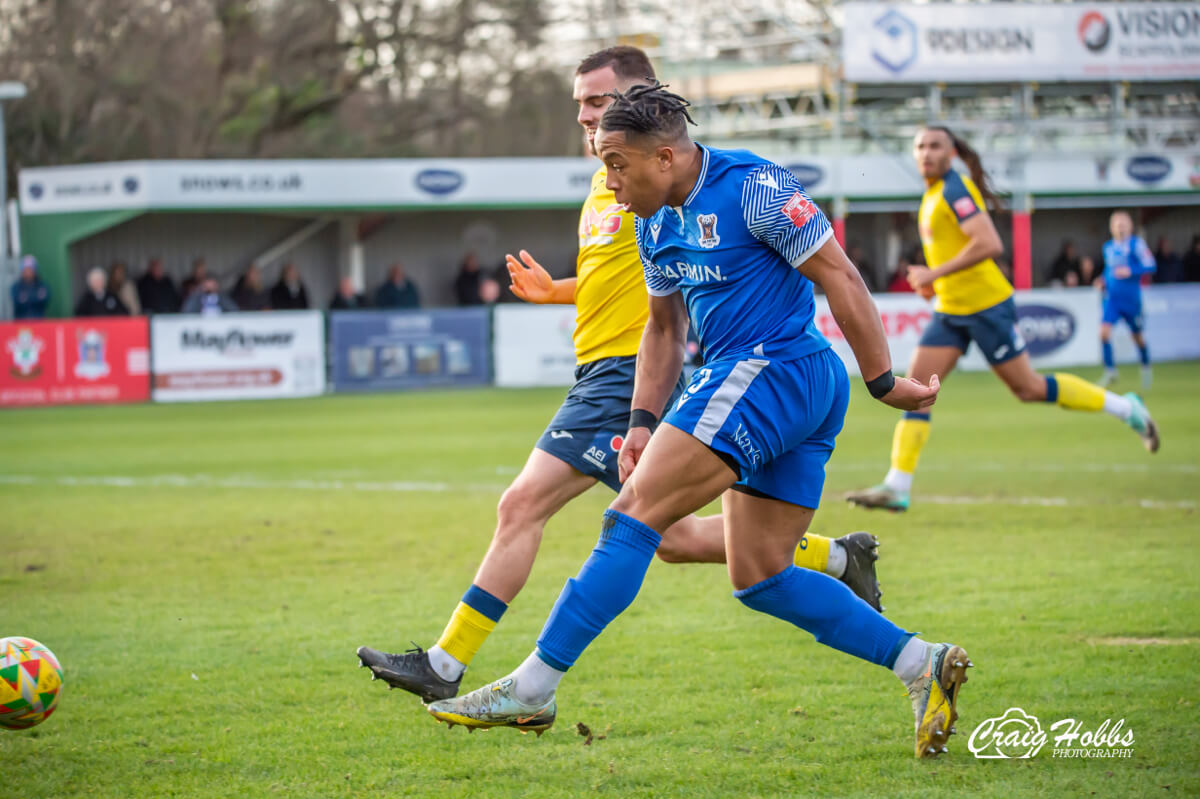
x,y
628,63
648,110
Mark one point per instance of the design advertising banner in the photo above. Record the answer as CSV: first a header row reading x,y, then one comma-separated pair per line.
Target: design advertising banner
x,y
238,356
75,361
381,350
532,345
1060,327
962,43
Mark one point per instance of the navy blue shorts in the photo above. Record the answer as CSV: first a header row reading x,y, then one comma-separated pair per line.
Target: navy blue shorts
x,y
590,426
1115,311
776,419
993,329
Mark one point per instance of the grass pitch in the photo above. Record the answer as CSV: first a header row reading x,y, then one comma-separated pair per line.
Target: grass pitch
x,y
205,572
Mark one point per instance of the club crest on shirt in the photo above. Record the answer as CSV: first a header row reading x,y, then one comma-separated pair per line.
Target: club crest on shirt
x,y
708,230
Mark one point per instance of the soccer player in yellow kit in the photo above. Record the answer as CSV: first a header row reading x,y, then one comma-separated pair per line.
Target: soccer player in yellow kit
x,y
580,445
974,303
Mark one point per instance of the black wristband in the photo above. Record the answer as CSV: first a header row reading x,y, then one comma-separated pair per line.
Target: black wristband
x,y
639,417
881,385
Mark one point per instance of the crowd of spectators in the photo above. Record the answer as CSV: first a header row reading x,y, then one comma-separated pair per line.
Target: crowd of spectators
x,y
1070,268
112,292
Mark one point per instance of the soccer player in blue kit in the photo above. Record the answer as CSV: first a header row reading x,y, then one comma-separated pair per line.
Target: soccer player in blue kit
x,y
732,241
1126,259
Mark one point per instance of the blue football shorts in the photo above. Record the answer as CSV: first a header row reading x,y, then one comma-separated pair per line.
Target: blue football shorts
x,y
993,329
1113,312
776,419
590,426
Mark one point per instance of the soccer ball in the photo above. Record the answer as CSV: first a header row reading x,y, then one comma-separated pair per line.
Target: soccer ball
x,y
30,682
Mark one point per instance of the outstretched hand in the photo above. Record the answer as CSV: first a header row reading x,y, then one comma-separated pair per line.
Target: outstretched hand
x,y
912,395
530,281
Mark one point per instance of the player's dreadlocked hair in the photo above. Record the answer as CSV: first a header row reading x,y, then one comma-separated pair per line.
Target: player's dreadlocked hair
x,y
648,110
974,165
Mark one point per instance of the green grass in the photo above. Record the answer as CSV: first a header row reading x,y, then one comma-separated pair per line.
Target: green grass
x,y
208,626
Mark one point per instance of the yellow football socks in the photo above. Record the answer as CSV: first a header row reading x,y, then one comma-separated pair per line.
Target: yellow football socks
x,y
812,552
473,620
912,431
1078,394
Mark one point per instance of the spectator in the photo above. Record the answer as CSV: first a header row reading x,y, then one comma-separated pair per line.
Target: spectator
x,y
248,292
397,291
466,285
1170,265
30,294
289,293
1191,262
123,289
346,298
899,280
489,291
1087,272
198,276
1065,269
208,300
156,290
97,300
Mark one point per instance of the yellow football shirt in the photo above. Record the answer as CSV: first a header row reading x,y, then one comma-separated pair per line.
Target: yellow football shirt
x,y
946,205
610,293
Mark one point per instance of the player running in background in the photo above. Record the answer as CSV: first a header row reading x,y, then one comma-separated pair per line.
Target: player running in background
x,y
731,241
580,445
974,303
1126,259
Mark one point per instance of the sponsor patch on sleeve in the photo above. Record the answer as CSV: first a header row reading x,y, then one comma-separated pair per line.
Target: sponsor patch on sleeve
x,y
799,210
964,206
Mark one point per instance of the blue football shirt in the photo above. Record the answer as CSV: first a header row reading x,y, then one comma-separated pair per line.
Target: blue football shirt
x,y
1135,254
732,248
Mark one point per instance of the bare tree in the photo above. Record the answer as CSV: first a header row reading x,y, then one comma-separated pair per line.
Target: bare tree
x,y
132,79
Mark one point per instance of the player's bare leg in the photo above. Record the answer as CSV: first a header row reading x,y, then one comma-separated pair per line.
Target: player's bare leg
x,y
676,475
543,487
1069,391
912,431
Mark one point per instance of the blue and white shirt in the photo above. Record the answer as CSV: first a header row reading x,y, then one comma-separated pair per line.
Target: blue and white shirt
x,y
732,248
1134,254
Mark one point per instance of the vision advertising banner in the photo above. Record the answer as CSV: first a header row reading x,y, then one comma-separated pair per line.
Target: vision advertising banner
x,y
50,362
238,356
964,43
380,350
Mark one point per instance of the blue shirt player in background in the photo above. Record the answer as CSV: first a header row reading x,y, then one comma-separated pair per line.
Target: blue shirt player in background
x,y
1126,258
733,242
